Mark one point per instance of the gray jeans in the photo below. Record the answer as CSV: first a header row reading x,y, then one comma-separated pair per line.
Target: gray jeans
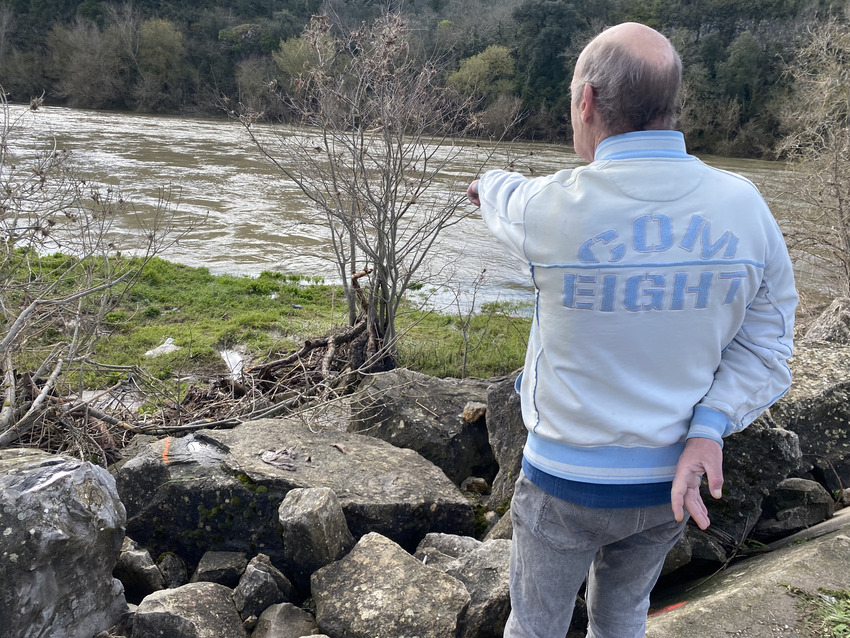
x,y
556,544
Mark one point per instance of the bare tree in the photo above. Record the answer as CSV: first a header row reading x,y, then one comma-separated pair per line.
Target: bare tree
x,y
818,148
60,274
87,64
381,134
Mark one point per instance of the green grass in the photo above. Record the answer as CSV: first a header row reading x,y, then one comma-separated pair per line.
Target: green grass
x,y
266,317
271,315
834,611
204,313
826,613
494,341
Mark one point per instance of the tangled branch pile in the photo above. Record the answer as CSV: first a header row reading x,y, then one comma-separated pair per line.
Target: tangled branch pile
x,y
97,425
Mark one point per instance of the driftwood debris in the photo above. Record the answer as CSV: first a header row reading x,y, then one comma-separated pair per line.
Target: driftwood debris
x,y
100,425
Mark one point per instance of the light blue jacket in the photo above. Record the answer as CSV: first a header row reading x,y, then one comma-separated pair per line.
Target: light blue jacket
x,y
664,306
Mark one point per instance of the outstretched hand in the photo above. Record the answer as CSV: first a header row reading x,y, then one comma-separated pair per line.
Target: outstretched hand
x,y
700,457
472,193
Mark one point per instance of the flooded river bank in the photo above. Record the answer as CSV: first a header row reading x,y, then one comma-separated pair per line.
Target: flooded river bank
x,y
248,218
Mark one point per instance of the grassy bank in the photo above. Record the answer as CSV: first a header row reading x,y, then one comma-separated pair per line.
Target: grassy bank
x,y
270,316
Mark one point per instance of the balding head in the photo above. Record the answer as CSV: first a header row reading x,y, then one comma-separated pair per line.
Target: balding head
x,y
635,73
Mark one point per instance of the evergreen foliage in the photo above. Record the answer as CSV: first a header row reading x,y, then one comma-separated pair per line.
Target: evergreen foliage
x,y
167,56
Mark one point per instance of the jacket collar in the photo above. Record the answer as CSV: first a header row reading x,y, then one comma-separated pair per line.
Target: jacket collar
x,y
642,144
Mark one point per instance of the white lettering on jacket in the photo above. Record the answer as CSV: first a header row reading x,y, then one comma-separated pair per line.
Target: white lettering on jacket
x,y
661,289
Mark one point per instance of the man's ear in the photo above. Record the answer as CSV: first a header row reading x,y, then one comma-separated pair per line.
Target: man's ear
x,y
588,103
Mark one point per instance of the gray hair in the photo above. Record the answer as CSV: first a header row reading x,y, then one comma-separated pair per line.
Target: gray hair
x,y
631,92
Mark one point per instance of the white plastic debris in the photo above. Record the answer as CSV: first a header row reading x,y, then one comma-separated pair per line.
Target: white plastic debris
x,y
166,347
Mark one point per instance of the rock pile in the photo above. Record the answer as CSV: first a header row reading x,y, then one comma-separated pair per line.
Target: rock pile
x,y
277,528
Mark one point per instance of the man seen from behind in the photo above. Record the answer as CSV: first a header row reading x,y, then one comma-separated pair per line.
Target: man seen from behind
x,y
663,320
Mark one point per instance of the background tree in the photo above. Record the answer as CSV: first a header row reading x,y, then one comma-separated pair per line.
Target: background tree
x,y
818,147
489,77
382,137
164,78
733,52
486,75
87,65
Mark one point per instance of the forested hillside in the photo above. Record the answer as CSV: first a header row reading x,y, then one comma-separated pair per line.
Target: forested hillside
x,y
192,56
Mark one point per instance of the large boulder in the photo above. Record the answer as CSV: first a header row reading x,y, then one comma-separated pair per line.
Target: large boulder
x,y
196,610
776,593
484,569
755,461
314,533
439,550
224,568
507,434
61,528
380,591
426,414
817,409
795,504
221,490
285,620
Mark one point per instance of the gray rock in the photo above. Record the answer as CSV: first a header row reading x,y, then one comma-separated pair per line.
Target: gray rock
x,y
314,534
439,550
748,477
485,572
137,571
380,591
124,626
61,527
507,434
213,490
761,597
817,409
794,505
504,528
224,568
426,414
491,519
449,544
484,569
705,546
173,570
196,610
261,586
285,620
832,326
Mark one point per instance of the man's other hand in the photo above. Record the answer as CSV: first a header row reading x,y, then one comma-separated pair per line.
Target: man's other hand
x,y
472,193
700,456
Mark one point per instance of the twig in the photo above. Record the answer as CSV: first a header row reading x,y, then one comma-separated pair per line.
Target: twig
x,y
28,420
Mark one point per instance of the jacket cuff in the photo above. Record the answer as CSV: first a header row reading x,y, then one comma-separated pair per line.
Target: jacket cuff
x,y
708,423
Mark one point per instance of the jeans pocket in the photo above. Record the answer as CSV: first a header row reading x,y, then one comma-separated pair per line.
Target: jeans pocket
x,y
567,527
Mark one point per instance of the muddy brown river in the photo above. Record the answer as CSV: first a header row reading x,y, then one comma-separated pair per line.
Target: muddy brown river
x,y
250,218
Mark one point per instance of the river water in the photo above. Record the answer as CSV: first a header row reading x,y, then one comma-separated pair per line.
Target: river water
x,y
248,218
